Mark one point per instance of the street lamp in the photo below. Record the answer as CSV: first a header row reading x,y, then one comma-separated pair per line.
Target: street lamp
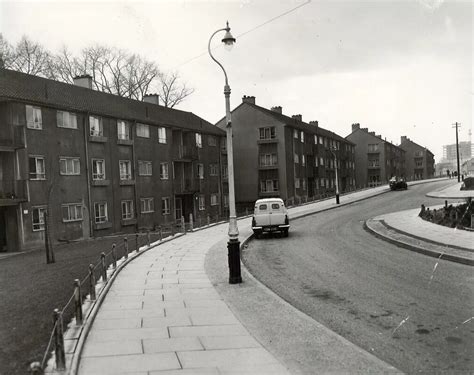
x,y
233,245
337,179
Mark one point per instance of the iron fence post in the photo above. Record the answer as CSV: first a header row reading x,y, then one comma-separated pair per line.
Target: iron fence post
x,y
59,340
161,233
125,244
92,283
208,220
104,268
78,302
191,225
114,256
136,242
148,238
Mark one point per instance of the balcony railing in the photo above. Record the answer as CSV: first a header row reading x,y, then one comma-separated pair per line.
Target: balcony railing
x,y
183,152
12,192
188,185
15,140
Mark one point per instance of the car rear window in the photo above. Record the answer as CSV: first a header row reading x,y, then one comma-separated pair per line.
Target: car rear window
x,y
262,207
275,206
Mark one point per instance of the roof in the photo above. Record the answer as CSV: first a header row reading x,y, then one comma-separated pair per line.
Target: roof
x,y
416,144
373,135
46,92
301,125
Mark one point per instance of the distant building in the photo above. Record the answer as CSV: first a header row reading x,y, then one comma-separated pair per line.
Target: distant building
x,y
465,151
376,160
98,163
280,156
419,161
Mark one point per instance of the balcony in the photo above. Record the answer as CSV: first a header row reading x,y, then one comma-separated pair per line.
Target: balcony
x,y
12,192
14,140
268,166
185,153
186,186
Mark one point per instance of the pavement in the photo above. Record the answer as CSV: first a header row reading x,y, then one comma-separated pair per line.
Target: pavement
x,y
170,310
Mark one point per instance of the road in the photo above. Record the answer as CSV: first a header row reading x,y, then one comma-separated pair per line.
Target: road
x,y
373,293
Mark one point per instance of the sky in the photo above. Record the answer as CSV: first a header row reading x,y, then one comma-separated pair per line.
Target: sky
x,y
399,68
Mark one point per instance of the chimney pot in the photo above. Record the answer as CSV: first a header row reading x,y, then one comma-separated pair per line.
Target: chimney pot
x,y
83,81
355,126
315,123
297,117
277,109
248,99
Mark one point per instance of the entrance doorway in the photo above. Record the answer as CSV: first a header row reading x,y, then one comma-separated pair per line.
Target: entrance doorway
x,y
184,206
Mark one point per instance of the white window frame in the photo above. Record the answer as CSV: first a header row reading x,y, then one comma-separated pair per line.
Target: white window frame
x,y
38,226
74,212
96,128
164,170
200,171
69,166
201,202
165,206
297,183
295,134
39,173
66,120
297,158
123,130
162,135
125,166
213,169
103,216
303,160
214,199
198,140
302,137
33,117
96,175
303,183
267,132
147,205
145,168
143,130
211,141
127,209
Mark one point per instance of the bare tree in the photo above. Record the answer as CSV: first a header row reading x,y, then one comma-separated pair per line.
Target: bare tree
x,y
6,53
30,57
171,90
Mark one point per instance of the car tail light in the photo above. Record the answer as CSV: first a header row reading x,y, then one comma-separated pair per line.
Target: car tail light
x,y
287,221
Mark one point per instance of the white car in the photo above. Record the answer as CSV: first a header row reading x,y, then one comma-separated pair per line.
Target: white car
x,y
270,215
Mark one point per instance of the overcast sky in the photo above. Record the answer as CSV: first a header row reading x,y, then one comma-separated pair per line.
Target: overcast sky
x,y
396,67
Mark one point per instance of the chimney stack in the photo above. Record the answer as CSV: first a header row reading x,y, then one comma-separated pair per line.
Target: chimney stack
x,y
372,133
355,127
297,117
248,99
83,81
314,123
151,98
404,138
277,109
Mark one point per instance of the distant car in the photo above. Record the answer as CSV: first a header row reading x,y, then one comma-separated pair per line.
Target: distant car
x,y
397,183
270,215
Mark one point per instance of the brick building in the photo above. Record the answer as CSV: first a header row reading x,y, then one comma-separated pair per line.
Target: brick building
x,y
376,160
419,161
278,155
98,163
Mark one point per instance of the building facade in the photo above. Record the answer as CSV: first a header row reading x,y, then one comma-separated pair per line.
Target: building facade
x,y
280,156
97,163
419,161
376,160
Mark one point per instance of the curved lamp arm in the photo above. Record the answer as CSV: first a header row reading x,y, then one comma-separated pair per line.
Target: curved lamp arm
x,y
212,57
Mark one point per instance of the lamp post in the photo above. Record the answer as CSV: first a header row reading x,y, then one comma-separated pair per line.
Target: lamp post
x,y
233,245
337,179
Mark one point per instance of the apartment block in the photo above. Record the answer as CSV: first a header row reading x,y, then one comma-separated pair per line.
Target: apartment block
x,y
419,161
99,164
376,160
281,156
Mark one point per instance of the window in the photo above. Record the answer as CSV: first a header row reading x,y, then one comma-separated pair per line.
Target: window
x,y
303,160
147,205
66,120
213,169
72,212
267,133
143,131
302,137
225,172
165,206
125,169
325,142
144,168
321,141
373,162
164,171
297,158
373,147
226,200
267,160
38,218
211,140
315,139
321,161
214,199
303,183
37,168
198,140
100,212
162,135
33,117
69,166
322,182
295,134
98,169
202,202
127,210
95,126
297,183
316,161
268,186
123,130
263,207
200,171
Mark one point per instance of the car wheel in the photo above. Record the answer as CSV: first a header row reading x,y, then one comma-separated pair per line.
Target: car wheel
x,y
285,233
